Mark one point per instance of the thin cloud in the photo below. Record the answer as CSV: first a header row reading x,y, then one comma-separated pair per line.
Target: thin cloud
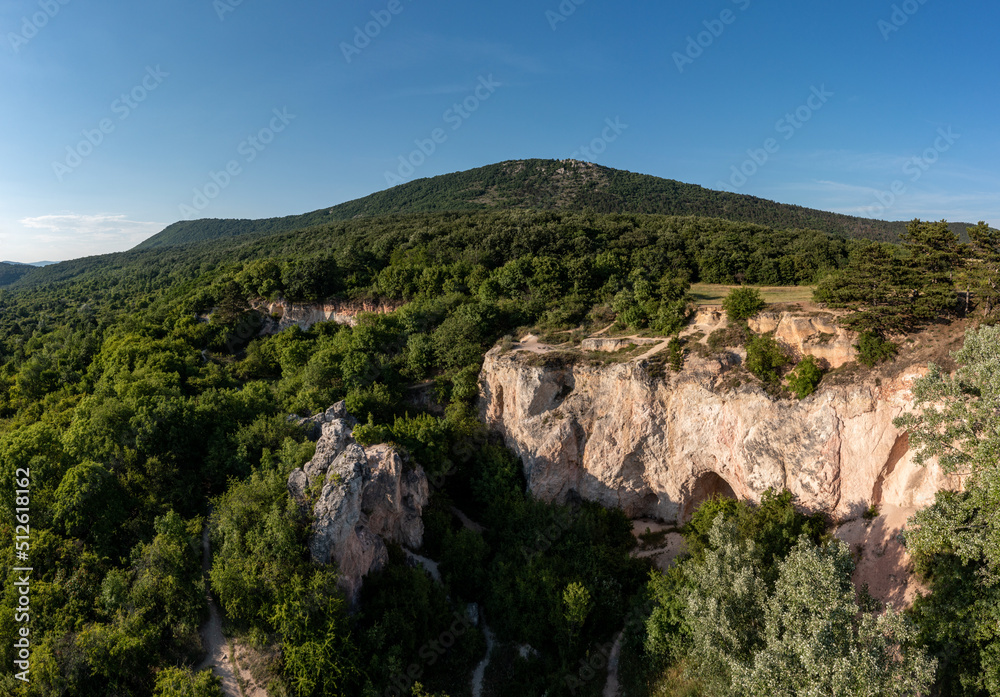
x,y
98,228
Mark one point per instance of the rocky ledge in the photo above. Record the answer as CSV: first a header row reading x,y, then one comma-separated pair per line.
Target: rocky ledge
x,y
360,498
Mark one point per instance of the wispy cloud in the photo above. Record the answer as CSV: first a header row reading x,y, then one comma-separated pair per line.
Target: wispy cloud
x,y
76,228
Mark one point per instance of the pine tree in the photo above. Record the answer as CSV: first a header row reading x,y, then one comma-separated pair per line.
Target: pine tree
x,y
933,259
876,286
984,266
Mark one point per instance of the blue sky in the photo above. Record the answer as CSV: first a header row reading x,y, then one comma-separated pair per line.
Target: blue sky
x,y
119,118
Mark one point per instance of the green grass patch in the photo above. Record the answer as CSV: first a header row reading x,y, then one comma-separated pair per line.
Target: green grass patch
x,y
714,294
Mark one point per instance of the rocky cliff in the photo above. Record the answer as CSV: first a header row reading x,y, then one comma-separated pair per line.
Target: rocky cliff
x,y
656,445
360,497
282,314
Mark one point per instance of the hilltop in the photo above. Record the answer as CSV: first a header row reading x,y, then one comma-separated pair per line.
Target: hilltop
x,y
548,185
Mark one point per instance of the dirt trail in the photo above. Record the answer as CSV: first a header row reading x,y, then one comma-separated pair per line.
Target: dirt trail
x,y
429,565
219,658
480,672
611,688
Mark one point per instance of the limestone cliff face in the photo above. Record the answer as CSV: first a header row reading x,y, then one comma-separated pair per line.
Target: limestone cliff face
x,y
283,314
816,333
656,447
360,498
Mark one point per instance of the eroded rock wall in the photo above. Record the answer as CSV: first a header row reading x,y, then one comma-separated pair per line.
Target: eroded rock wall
x,y
656,447
361,498
283,314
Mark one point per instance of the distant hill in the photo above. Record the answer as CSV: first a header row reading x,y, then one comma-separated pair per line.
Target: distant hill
x,y
37,264
549,185
12,271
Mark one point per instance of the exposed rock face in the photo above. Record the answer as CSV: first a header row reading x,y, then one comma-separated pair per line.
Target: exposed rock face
x,y
656,447
305,315
366,497
815,334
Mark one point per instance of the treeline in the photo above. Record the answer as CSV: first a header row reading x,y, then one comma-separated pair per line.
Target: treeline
x,y
550,185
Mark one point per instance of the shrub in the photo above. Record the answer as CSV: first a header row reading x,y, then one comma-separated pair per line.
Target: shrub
x,y
765,358
805,377
743,303
675,354
873,349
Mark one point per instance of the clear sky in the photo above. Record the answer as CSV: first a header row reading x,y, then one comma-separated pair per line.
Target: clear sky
x,y
114,116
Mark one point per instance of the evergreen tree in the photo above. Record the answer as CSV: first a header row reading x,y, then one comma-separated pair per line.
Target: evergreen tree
x,y
984,266
934,258
876,286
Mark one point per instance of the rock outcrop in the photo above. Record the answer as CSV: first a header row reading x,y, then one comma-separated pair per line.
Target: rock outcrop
x,y
281,314
658,446
360,497
814,333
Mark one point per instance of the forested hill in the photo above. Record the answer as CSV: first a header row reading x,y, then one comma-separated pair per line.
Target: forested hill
x,y
549,185
10,272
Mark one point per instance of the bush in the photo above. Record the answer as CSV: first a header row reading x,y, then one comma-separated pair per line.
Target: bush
x,y
765,358
675,354
743,303
873,349
805,377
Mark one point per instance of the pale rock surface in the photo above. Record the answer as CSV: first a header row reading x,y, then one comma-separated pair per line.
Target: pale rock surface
x,y
656,447
282,314
815,333
366,496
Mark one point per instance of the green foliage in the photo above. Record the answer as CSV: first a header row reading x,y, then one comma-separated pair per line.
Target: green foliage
x,y
535,184
743,303
803,380
183,682
577,604
788,624
765,358
874,349
675,354
983,269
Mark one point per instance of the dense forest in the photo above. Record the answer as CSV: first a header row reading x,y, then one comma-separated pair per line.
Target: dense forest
x,y
549,185
139,392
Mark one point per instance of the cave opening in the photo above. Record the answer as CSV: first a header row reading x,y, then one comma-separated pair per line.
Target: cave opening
x,y
708,485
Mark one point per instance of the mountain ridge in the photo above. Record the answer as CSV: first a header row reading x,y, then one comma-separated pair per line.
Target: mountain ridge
x,y
548,185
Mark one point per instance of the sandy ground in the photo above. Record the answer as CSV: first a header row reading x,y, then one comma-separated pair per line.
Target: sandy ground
x,y
884,565
215,643
428,565
611,688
